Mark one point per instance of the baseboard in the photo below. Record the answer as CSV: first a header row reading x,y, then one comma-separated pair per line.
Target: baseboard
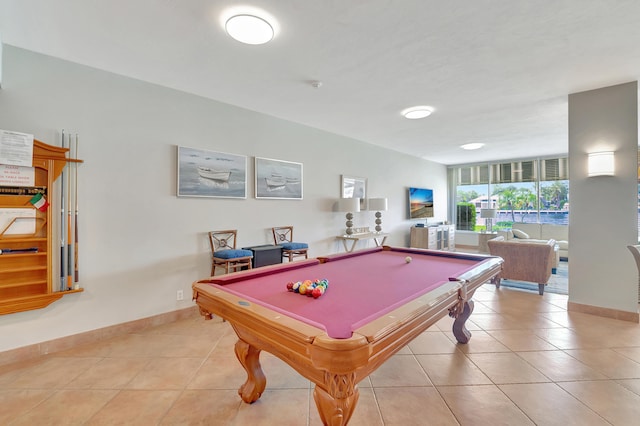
x,y
604,312
30,352
466,246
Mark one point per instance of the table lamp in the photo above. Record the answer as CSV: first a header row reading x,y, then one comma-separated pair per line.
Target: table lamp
x,y
378,205
349,205
488,215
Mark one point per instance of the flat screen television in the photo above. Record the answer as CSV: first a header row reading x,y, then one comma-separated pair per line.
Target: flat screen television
x,y
420,203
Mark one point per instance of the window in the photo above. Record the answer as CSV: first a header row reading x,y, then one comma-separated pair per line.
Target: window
x,y
535,190
554,191
472,194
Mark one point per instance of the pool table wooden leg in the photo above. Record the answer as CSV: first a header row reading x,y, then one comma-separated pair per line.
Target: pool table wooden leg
x,y
336,406
459,330
249,357
496,280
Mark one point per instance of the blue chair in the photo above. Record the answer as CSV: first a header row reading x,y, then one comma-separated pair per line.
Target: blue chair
x,y
283,236
224,252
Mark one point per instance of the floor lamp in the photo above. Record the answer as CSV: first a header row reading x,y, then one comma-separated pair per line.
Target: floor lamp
x,y
350,206
378,205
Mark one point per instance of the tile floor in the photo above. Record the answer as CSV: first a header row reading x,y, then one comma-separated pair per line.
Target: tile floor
x,y
529,362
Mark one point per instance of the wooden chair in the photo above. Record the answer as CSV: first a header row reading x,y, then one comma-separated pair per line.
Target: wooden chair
x,y
283,236
224,252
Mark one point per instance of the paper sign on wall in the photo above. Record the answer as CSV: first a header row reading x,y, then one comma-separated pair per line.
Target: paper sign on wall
x,y
16,148
17,176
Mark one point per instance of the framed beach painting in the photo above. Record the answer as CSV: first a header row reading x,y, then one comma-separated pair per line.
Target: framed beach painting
x,y
278,179
354,187
203,173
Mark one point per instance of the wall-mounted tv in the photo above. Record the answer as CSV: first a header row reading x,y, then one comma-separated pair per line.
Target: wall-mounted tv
x,y
420,203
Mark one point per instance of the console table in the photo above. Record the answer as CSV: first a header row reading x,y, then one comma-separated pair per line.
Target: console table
x,y
350,241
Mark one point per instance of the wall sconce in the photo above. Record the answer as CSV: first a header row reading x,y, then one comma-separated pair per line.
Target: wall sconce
x,y
601,164
349,205
488,215
378,205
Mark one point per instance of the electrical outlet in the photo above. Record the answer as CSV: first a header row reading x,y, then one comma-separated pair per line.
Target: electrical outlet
x,y
180,295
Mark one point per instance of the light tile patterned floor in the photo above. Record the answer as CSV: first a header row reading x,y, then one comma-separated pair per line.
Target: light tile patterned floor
x,y
529,362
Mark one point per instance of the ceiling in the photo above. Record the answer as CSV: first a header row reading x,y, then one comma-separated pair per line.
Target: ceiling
x,y
495,71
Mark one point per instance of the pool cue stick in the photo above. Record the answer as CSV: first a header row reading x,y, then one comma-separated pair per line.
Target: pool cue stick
x,y
77,274
70,217
63,229
24,250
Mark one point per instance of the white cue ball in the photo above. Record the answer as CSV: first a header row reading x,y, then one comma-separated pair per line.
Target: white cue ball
x,y
407,259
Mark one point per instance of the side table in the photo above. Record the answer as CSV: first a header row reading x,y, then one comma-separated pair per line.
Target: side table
x,y
483,237
264,255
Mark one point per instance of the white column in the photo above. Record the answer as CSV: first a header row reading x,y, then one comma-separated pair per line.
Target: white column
x,y
603,217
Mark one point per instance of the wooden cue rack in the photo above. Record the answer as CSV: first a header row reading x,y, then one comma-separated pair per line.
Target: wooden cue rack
x,y
27,279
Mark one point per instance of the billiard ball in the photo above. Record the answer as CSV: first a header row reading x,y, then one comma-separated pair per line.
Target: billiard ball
x,y
290,286
317,292
408,259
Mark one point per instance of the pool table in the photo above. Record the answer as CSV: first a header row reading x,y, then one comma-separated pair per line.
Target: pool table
x,y
377,301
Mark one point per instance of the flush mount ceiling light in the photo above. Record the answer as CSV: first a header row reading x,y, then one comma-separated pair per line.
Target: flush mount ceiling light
x,y
249,29
472,146
417,112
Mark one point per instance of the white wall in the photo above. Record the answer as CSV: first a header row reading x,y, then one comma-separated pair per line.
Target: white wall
x,y
139,243
603,215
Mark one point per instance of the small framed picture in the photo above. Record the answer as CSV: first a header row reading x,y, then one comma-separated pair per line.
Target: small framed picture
x,y
203,173
278,179
355,187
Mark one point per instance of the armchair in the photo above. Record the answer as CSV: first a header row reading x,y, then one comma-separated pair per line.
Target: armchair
x,y
524,261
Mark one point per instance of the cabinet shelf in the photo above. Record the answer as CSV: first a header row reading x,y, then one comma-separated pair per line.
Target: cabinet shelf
x,y
8,271
7,258
22,284
21,239
27,278
27,303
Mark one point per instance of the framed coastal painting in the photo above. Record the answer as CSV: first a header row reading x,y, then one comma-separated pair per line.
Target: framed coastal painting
x,y
354,187
203,173
278,179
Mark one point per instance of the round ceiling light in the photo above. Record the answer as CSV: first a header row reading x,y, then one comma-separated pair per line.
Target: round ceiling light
x,y
417,112
472,146
249,29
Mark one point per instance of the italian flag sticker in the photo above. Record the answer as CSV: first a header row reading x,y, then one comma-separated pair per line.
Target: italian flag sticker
x,y
39,202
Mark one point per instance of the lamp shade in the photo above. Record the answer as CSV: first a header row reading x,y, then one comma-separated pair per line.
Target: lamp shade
x,y
488,213
349,205
378,204
601,164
